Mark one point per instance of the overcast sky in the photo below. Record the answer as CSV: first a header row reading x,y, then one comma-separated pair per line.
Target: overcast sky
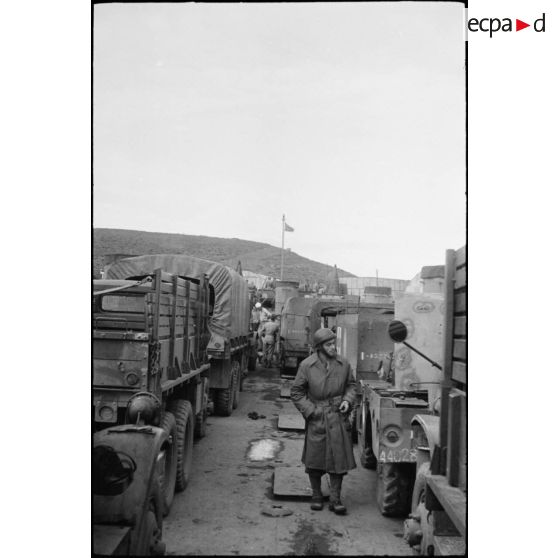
x,y
215,119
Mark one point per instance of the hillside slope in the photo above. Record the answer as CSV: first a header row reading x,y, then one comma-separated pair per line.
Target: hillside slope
x,y
254,256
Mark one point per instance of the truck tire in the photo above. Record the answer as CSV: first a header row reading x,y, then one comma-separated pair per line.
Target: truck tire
x,y
224,400
168,474
420,514
367,458
364,440
394,488
236,382
151,544
184,416
243,371
201,424
147,533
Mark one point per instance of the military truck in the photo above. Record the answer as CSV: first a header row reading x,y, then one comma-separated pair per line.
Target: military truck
x,y
150,397
301,316
283,291
295,343
405,384
230,342
437,523
362,339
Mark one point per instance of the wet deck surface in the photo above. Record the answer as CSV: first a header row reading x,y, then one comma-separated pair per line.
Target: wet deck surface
x,y
223,510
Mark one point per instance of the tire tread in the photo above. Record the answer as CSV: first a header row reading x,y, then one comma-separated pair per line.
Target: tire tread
x,y
168,424
184,416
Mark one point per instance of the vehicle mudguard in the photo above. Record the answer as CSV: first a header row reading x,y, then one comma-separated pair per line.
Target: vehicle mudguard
x,y
142,445
220,373
430,425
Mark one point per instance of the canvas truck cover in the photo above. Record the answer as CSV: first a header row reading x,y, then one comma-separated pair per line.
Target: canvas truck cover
x,y
231,311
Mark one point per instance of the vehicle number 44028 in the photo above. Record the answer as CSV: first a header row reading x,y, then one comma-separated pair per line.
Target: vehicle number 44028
x,y
396,456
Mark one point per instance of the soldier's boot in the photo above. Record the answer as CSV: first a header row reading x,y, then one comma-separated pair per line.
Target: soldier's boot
x,y
317,502
335,504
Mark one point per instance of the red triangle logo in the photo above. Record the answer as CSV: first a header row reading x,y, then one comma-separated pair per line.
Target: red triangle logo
x,y
519,25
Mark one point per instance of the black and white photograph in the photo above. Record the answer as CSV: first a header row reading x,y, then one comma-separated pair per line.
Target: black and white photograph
x,y
279,333
251,253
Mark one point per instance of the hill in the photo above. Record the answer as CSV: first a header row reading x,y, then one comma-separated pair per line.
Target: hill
x,y
254,256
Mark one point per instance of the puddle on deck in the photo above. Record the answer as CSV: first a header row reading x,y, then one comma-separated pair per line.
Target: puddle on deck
x,y
262,450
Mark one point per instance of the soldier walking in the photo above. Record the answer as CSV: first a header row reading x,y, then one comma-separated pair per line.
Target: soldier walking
x,y
324,391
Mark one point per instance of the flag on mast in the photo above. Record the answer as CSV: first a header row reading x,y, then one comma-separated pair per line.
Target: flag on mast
x,y
287,228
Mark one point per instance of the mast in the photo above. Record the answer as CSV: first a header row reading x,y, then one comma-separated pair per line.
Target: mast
x,y
282,245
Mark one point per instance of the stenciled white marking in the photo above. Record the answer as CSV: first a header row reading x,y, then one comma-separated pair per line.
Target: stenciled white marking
x,y
263,449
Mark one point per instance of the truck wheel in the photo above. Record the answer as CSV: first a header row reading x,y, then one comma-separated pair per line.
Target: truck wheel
x,y
394,488
201,424
364,440
169,456
252,363
151,543
236,383
243,372
184,416
147,535
224,400
418,529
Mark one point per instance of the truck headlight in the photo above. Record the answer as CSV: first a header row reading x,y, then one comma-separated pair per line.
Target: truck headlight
x,y
106,413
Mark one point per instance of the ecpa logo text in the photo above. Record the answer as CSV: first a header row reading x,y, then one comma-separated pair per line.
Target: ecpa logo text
x,y
494,24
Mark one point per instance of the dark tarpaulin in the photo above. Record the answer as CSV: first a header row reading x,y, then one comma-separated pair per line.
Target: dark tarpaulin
x,y
231,312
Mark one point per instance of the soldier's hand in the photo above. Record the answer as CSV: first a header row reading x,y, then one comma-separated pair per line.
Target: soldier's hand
x,y
344,407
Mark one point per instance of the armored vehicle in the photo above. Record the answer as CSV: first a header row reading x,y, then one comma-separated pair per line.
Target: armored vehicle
x,y
437,523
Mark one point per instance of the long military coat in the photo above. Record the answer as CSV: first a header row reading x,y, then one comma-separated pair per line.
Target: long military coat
x,y
317,393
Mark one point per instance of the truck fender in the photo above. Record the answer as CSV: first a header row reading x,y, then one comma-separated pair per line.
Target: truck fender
x,y
220,373
430,426
141,444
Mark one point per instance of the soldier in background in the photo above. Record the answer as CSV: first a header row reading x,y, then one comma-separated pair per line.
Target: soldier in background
x,y
269,283
269,338
265,315
255,318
